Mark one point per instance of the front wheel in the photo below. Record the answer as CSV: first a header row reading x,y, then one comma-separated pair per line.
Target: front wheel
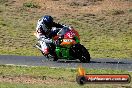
x,y
81,53
84,55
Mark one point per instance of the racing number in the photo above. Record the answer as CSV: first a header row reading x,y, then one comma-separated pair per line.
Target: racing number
x,y
70,34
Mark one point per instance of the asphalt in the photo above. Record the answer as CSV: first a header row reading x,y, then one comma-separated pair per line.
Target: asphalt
x,y
98,63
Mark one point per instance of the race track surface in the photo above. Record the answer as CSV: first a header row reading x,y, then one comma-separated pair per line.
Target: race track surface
x,y
121,64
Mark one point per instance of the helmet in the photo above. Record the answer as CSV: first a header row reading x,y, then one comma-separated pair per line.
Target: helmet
x,y
48,20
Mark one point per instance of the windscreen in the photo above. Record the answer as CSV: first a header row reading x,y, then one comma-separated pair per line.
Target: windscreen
x,y
63,31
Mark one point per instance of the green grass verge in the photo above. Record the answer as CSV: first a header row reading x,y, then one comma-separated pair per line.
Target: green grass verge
x,y
66,74
74,85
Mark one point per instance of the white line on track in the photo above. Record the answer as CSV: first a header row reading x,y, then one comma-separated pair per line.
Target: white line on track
x,y
17,65
37,66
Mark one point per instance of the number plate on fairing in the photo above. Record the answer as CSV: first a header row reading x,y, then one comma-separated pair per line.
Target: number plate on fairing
x,y
67,40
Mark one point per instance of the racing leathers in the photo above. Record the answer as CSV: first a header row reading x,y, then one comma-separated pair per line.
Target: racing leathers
x,y
43,33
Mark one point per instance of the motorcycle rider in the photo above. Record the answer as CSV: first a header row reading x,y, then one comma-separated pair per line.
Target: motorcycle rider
x,y
43,30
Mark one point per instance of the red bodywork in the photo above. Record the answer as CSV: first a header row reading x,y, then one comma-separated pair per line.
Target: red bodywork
x,y
68,37
71,34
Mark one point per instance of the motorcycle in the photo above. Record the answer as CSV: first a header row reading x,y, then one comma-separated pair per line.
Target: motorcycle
x,y
66,46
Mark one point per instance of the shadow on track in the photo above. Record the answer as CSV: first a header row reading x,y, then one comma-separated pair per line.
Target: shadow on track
x,y
110,62
107,62
68,61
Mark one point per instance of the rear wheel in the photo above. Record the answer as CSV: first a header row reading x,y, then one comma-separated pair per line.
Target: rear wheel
x,y
52,51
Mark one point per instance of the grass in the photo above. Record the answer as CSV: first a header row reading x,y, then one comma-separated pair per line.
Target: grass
x,y
106,31
31,5
14,85
106,34
65,76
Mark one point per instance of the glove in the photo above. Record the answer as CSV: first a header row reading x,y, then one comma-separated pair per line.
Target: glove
x,y
58,42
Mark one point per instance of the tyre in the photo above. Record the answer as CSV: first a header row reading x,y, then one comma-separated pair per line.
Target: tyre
x,y
84,56
81,53
55,58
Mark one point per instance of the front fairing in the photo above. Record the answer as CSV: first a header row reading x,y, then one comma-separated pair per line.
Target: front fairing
x,y
67,38
67,34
